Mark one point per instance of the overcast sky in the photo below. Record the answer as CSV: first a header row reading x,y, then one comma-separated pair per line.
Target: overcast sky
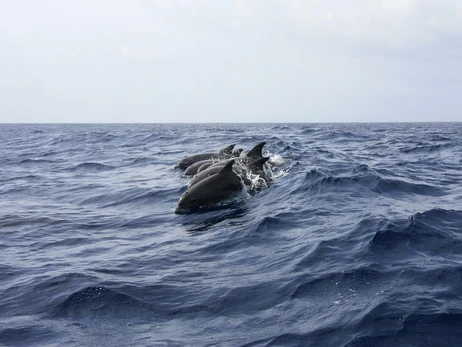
x,y
230,61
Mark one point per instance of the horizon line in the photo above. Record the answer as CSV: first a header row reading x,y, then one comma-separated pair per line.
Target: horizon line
x,y
187,123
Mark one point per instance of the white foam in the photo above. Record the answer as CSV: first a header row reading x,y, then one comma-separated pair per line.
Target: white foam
x,y
277,160
256,182
281,173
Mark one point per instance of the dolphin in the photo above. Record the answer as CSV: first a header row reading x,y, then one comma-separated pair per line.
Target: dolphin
x,y
187,161
204,174
256,168
193,168
211,190
204,166
252,155
255,153
220,163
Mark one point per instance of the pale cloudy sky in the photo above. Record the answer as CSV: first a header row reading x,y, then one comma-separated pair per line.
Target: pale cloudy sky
x,y
230,61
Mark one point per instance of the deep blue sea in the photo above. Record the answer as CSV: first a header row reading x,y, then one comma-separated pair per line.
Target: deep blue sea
x,y
357,240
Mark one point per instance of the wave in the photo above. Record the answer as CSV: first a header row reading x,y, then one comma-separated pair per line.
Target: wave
x,y
199,222
6,271
431,233
100,301
31,335
328,284
426,148
362,177
103,136
158,137
91,167
22,178
341,136
25,219
308,130
385,328
35,161
66,242
252,298
422,236
270,224
280,127
142,161
134,196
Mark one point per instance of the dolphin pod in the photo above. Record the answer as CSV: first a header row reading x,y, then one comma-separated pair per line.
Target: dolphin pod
x,y
224,153
221,176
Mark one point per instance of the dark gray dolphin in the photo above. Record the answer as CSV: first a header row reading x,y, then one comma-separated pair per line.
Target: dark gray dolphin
x,y
204,174
208,163
193,168
204,167
224,153
220,163
255,167
252,155
203,164
255,153
211,190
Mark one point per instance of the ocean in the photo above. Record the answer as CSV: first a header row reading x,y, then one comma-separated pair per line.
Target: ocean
x,y
356,240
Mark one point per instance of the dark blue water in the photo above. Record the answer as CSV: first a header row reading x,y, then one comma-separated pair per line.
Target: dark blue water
x,y
356,242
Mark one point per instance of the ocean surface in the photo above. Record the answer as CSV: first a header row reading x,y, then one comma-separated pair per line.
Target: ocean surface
x,y
356,241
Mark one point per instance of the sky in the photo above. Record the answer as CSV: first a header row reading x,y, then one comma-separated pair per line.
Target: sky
x,y
152,61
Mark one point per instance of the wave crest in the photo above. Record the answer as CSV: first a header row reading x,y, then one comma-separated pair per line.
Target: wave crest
x,y
100,301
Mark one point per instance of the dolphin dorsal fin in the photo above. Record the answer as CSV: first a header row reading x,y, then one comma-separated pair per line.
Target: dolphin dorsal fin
x,y
255,153
227,150
228,167
258,164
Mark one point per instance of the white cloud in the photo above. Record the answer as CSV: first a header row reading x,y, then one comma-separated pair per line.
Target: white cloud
x,y
242,60
398,23
147,54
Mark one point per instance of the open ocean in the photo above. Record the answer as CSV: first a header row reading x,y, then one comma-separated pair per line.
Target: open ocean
x,y
357,241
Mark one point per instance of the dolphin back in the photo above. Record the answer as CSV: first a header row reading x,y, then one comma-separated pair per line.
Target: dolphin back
x,y
189,160
211,190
